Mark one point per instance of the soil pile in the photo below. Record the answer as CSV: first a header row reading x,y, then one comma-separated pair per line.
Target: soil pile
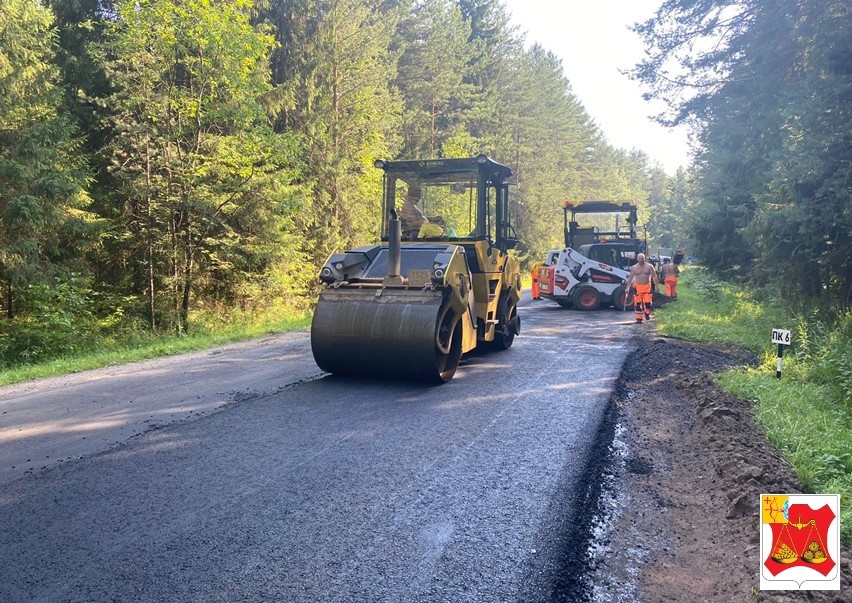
x,y
686,523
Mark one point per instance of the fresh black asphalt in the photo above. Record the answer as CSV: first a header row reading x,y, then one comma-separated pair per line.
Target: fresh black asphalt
x,y
340,490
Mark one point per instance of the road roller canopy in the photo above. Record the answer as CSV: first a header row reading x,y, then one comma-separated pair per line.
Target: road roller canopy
x,y
455,200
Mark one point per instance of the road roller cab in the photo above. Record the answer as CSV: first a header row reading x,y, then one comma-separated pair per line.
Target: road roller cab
x,y
439,284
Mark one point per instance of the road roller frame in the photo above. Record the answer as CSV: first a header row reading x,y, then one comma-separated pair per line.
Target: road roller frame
x,y
440,284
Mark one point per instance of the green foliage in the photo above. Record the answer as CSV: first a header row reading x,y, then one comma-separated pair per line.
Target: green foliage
x,y
773,119
58,321
433,39
671,204
806,414
823,352
809,423
192,150
232,143
716,311
200,202
332,75
42,175
79,24
141,344
705,285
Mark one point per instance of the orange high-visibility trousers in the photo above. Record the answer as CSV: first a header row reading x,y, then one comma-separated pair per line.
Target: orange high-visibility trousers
x,y
671,286
535,278
643,301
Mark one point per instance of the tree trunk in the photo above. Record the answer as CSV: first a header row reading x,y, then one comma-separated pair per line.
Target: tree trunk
x,y
186,280
187,287
149,242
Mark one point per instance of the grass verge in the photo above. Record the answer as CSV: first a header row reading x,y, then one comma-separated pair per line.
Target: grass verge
x,y
142,346
806,415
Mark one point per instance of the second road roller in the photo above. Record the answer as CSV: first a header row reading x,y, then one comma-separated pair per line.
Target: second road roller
x,y
440,283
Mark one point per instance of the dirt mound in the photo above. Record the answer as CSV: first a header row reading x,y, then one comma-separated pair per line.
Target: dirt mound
x,y
687,527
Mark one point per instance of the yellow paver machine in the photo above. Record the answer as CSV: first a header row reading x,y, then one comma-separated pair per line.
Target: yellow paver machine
x,y
440,284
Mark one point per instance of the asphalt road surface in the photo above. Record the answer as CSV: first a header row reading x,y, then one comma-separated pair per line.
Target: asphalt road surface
x,y
246,474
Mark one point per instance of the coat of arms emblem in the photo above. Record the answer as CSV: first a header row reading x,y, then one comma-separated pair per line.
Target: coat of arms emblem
x,y
799,541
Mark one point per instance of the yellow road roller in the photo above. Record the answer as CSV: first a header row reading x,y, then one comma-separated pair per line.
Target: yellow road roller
x,y
440,284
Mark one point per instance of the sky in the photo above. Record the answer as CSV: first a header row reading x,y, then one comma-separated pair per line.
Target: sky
x,y
593,39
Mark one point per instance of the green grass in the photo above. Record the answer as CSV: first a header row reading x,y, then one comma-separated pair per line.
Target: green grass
x,y
711,311
142,346
806,415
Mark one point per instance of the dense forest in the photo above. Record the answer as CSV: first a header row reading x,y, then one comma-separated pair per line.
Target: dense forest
x,y
766,86
160,158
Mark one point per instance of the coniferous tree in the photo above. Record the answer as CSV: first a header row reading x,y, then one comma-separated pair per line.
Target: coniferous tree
x,y
81,23
332,74
547,134
770,97
432,66
492,44
669,201
42,175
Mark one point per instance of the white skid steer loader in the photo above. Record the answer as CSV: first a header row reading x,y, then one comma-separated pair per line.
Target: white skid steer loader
x,y
574,281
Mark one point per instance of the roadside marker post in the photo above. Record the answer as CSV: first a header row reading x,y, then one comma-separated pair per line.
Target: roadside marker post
x,y
782,338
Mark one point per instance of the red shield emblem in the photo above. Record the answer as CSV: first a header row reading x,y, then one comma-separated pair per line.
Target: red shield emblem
x,y
799,539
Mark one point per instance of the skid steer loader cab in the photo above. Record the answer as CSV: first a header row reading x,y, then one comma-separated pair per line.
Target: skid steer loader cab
x,y
439,284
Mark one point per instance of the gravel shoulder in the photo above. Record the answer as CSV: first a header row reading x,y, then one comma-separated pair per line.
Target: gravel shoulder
x,y
686,524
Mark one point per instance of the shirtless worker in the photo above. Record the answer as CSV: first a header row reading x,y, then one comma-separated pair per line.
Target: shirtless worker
x,y
643,279
669,273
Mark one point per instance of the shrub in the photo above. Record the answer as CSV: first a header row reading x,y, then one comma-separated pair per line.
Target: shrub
x,y
54,320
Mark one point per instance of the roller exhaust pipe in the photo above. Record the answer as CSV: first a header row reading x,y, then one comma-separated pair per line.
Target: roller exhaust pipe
x,y
394,243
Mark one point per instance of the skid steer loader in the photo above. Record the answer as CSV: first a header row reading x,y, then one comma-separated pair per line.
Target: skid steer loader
x,y
591,270
439,284
574,281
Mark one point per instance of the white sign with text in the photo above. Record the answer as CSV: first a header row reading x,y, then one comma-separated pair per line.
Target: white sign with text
x,y
781,336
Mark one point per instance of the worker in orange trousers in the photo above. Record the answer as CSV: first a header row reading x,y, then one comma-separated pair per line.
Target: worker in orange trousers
x,y
669,273
641,281
535,275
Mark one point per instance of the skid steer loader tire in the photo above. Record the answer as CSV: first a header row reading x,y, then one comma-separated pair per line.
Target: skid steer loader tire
x,y
586,298
621,299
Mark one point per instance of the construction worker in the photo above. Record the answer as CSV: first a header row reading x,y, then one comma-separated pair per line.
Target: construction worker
x,y
535,268
415,224
411,217
642,281
668,274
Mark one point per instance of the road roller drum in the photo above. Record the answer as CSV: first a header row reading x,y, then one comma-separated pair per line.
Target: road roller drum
x,y
396,334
